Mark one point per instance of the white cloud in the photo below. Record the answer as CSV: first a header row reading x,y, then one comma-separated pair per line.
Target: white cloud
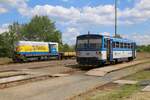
x,y
4,28
3,10
69,36
140,39
105,33
58,13
20,5
65,0
99,15
139,13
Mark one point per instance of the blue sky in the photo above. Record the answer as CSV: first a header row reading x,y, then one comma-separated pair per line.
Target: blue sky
x,y
75,17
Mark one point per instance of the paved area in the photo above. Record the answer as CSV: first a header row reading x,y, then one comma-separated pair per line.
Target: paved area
x,y
62,88
146,89
125,82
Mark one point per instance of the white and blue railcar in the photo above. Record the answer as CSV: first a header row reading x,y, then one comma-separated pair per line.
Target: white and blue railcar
x,y
99,49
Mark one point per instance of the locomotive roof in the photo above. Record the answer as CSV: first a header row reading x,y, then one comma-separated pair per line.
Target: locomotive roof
x,y
36,42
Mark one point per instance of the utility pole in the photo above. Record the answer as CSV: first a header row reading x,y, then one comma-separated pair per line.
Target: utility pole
x,y
116,1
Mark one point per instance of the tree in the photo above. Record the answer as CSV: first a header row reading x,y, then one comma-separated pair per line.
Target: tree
x,y
143,48
2,50
67,48
41,28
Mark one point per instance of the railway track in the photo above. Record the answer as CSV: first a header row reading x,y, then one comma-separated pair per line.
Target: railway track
x,y
75,80
49,71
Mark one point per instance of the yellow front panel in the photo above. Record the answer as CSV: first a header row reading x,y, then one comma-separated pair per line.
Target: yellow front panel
x,y
34,48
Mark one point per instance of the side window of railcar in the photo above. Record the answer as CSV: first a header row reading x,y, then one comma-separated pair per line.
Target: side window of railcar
x,y
105,43
113,44
129,45
121,45
125,45
117,44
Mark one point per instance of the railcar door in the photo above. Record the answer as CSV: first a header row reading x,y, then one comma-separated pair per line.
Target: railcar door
x,y
133,49
109,50
49,46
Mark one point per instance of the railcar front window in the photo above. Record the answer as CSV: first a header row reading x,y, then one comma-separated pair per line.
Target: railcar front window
x,y
82,44
95,43
89,44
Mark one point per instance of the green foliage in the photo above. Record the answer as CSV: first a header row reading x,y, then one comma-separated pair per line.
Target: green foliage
x,y
7,41
41,28
67,48
143,48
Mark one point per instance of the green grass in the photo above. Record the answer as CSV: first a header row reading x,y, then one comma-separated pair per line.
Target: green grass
x,y
124,91
118,94
143,75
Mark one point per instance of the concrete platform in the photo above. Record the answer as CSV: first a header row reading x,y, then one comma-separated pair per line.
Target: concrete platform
x,y
13,78
104,70
9,73
125,82
146,89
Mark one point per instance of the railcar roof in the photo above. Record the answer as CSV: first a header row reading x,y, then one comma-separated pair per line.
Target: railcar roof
x,y
89,35
98,35
122,40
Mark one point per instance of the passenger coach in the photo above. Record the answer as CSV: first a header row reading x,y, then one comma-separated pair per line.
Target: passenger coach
x,y
93,49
